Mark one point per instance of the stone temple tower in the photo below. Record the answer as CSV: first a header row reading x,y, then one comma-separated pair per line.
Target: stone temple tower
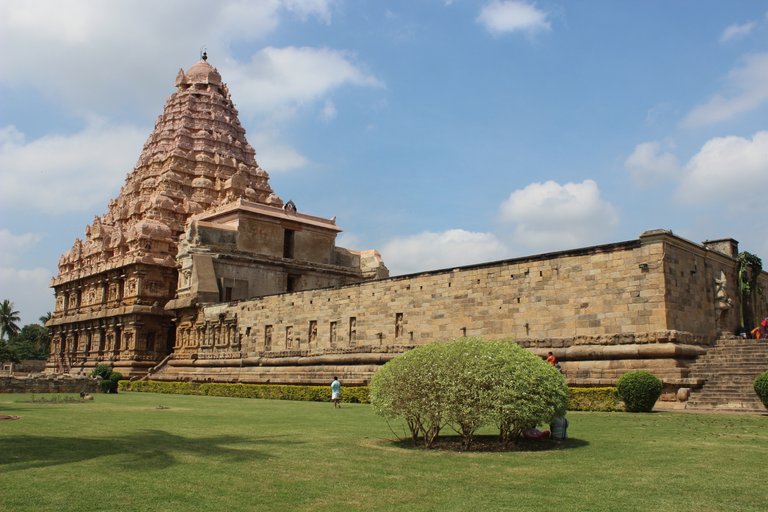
x,y
113,285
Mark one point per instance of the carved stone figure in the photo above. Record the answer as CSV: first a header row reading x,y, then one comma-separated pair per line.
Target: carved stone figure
x,y
724,302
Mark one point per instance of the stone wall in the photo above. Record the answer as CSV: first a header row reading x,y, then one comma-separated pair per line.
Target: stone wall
x,y
652,303
48,384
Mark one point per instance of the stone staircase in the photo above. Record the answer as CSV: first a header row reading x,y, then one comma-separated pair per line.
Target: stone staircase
x,y
728,370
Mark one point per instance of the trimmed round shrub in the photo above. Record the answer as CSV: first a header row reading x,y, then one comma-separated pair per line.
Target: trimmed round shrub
x,y
468,383
639,390
761,387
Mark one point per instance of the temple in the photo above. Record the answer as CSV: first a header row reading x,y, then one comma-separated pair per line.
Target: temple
x,y
196,191
199,271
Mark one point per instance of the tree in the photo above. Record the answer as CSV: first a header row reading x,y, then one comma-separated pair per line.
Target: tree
x,y
8,319
7,354
44,318
32,342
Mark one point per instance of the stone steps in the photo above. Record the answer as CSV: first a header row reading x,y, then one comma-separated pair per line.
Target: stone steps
x,y
728,371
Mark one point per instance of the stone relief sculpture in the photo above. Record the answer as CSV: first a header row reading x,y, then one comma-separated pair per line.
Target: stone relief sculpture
x,y
722,302
268,338
721,296
312,333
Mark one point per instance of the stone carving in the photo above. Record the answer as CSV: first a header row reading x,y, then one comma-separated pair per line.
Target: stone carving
x,y
268,338
724,302
399,328
352,331
173,158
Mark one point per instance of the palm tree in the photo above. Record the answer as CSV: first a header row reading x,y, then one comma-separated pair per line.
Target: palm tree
x,y
8,319
44,318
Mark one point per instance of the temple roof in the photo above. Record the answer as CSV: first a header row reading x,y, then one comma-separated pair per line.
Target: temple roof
x,y
203,73
196,159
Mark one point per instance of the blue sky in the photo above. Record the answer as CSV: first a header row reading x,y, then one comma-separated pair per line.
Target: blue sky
x,y
440,132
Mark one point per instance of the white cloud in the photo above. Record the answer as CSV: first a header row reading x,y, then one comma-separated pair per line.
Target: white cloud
x,y
748,90
500,17
307,8
538,218
648,164
13,246
736,31
431,251
328,113
127,49
275,156
26,288
349,241
280,78
66,173
549,216
728,172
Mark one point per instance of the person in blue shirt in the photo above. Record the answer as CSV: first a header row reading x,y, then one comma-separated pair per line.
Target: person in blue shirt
x,y
336,392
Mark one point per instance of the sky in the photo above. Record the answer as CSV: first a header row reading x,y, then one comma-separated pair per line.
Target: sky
x,y
442,133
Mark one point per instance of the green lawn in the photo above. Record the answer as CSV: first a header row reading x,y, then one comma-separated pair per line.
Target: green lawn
x,y
148,452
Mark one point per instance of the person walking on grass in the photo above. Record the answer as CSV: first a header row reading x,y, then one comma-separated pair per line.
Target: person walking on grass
x,y
336,392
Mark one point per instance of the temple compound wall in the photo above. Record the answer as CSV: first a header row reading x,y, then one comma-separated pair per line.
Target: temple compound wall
x,y
654,303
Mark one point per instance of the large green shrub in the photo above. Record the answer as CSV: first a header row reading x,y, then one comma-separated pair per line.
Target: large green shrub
x,y
639,390
530,391
465,384
761,387
410,387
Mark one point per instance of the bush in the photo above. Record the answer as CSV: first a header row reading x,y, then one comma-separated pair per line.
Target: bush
x,y
594,399
639,390
465,384
761,387
101,370
356,394
109,378
114,379
153,386
409,387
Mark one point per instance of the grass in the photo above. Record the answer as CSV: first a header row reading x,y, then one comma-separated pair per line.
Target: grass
x,y
142,451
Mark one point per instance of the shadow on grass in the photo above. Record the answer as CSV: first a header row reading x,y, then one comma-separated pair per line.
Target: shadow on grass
x,y
491,443
149,449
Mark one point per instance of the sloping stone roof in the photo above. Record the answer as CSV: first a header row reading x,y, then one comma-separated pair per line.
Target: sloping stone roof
x,y
196,159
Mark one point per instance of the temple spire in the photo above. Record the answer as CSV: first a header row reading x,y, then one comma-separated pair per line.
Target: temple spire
x,y
196,158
